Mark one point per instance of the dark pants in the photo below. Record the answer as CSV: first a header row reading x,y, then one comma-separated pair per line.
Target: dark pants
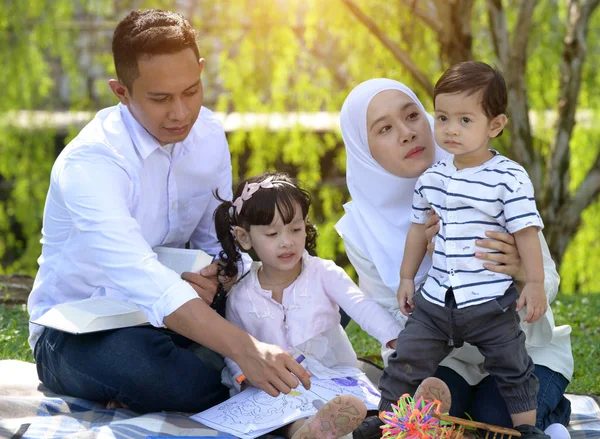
x,y
432,331
483,402
146,368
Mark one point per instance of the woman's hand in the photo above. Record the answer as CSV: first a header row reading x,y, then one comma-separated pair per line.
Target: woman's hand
x,y
507,261
432,228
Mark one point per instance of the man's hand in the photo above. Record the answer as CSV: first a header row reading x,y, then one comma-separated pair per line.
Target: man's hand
x,y
405,294
205,283
534,297
432,228
272,369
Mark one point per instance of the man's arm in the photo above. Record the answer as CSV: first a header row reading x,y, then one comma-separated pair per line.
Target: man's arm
x,y
96,192
266,366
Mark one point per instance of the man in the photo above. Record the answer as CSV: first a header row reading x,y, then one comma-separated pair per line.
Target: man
x,y
138,175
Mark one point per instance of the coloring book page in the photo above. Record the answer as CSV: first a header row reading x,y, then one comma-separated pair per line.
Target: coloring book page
x,y
253,412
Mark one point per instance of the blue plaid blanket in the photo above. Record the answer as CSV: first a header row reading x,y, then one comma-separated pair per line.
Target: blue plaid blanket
x,y
29,411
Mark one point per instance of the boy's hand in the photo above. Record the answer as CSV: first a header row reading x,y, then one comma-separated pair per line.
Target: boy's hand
x,y
405,294
534,297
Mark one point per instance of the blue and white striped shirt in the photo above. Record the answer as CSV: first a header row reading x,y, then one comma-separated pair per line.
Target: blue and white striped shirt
x,y
495,196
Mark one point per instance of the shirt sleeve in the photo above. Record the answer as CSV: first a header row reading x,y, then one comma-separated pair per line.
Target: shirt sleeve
x,y
370,316
520,210
551,277
420,206
95,190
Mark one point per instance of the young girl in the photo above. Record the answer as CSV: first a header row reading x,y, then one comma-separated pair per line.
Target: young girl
x,y
291,298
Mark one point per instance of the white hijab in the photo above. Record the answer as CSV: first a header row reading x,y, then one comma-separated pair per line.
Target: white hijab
x,y
378,217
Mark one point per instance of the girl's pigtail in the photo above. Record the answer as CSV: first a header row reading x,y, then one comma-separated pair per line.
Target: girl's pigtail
x,y
230,255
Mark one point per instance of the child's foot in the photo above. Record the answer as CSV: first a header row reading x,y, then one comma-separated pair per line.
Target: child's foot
x,y
114,404
557,431
335,419
433,388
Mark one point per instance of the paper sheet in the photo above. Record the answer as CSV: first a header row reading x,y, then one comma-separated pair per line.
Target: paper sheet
x,y
253,412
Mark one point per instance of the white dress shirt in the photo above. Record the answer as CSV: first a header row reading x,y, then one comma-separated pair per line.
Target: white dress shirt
x,y
114,194
308,317
495,196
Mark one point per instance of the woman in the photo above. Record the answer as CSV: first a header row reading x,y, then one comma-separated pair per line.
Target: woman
x,y
389,143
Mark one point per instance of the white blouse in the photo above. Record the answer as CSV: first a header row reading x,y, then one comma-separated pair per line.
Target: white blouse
x,y
308,318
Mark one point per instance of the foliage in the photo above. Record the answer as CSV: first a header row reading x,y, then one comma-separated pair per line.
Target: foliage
x,y
263,56
14,332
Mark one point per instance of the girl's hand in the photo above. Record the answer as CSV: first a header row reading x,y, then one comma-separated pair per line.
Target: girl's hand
x,y
432,228
508,259
405,294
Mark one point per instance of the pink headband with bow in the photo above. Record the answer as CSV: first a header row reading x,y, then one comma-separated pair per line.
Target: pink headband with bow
x,y
250,188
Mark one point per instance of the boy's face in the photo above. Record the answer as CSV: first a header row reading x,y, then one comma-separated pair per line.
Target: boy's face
x,y
462,128
167,95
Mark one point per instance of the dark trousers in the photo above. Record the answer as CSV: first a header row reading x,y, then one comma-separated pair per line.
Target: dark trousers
x,y
147,368
432,331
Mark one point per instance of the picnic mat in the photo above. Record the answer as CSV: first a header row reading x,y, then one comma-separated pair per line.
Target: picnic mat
x,y
30,411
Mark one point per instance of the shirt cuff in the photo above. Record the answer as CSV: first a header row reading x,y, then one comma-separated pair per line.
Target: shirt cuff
x,y
176,296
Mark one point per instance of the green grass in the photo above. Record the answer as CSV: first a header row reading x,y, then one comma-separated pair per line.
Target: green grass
x,y
582,312
14,330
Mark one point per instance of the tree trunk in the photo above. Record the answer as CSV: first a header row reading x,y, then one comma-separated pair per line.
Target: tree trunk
x,y
560,209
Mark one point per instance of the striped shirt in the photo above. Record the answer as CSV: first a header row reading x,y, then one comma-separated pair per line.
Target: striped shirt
x,y
495,196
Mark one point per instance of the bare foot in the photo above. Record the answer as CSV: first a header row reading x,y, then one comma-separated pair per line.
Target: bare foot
x,y
340,416
113,405
433,388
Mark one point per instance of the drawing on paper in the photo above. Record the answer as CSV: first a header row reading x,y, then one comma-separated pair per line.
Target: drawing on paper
x,y
261,408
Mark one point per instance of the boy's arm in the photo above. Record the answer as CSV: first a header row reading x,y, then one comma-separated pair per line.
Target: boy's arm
x,y
414,251
532,295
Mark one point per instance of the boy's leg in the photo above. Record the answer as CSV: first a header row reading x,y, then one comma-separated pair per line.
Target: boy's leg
x,y
488,405
145,368
420,347
494,328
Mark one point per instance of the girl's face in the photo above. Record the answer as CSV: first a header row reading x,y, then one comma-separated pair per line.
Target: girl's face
x,y
399,134
279,246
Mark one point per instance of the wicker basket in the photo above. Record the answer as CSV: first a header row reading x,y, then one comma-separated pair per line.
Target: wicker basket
x,y
462,428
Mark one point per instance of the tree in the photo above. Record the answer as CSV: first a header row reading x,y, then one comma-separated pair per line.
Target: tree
x,y
272,56
451,21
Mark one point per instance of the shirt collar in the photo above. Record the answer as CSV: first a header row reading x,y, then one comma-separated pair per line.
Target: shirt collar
x,y
144,142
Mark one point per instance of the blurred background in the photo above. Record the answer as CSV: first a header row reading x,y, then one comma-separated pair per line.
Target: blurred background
x,y
278,71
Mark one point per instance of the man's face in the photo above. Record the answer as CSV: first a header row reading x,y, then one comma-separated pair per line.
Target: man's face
x,y
167,95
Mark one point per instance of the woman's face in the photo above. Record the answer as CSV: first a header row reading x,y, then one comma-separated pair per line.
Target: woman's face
x,y
399,134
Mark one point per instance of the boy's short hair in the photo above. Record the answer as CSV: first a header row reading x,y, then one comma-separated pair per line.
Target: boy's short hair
x,y
472,77
149,32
